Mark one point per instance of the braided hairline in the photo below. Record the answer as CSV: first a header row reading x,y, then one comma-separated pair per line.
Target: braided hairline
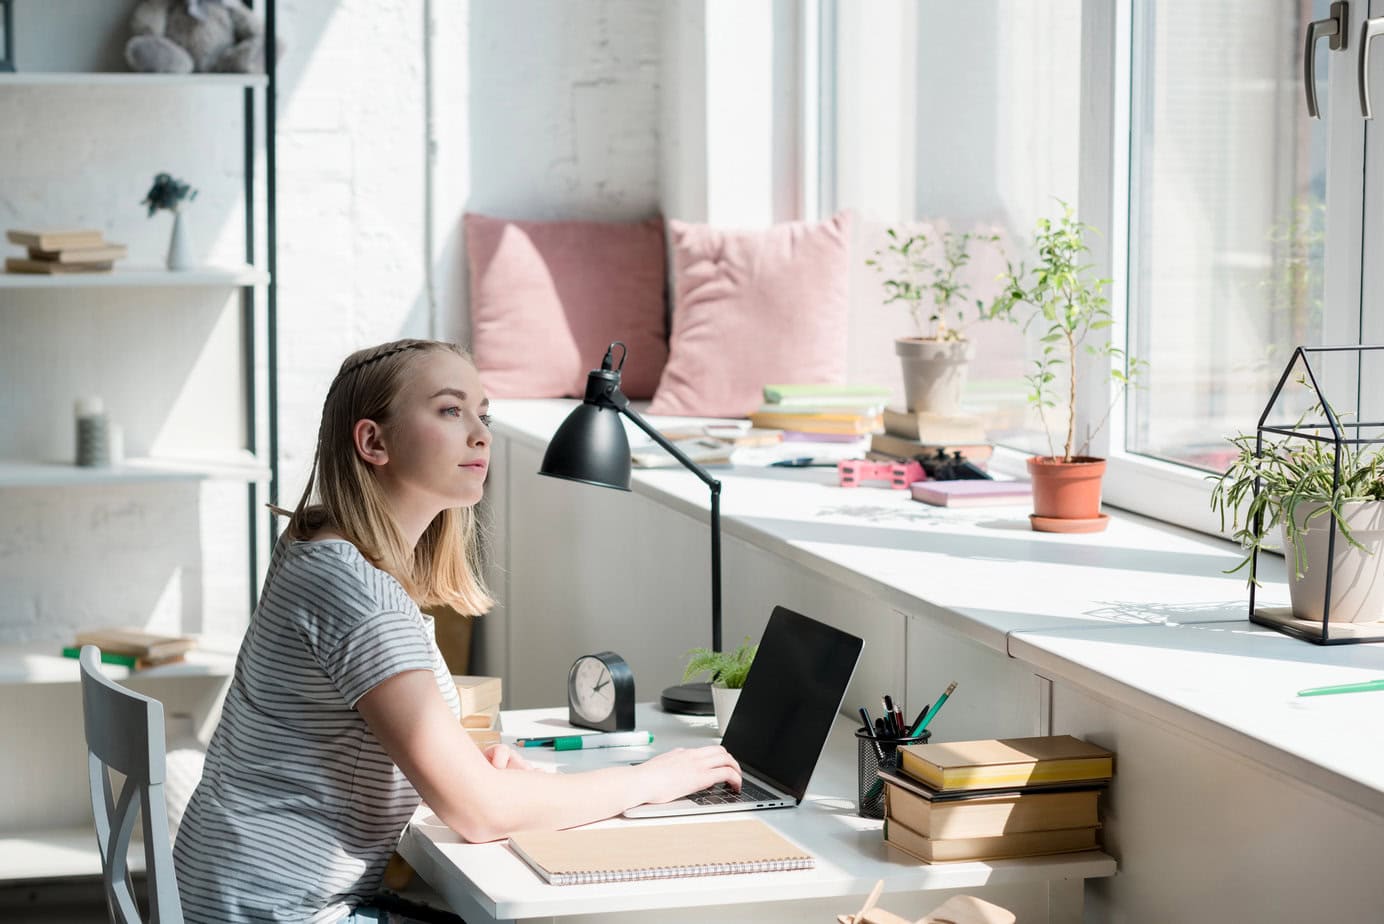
x,y
341,376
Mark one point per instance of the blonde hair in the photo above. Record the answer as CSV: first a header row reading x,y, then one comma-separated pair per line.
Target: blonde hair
x,y
444,566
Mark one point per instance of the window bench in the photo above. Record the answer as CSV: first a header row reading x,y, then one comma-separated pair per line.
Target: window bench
x,y
1233,798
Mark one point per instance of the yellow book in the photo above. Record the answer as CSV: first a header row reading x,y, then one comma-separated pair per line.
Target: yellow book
x,y
1003,813
816,423
1010,762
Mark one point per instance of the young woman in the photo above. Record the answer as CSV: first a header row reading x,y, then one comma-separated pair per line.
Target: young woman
x,y
342,714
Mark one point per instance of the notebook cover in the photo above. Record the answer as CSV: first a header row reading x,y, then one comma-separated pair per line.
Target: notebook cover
x,y
630,852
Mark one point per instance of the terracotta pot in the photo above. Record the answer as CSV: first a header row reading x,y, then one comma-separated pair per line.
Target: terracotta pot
x,y
1066,495
934,372
1357,578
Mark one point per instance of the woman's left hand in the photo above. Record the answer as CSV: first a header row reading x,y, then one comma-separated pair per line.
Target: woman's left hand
x,y
504,757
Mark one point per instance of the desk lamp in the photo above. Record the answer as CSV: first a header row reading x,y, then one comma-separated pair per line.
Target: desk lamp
x,y
591,447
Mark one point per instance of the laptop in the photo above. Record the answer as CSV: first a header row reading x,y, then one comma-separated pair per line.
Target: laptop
x,y
781,722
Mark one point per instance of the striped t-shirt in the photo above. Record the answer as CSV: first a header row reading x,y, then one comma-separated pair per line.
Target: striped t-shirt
x,y
299,807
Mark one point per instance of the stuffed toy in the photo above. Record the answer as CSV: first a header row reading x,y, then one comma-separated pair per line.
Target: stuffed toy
x,y
206,36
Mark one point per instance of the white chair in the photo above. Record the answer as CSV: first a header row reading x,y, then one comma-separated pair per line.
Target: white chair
x,y
124,732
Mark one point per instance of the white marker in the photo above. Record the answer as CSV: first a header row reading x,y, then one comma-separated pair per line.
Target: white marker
x,y
604,740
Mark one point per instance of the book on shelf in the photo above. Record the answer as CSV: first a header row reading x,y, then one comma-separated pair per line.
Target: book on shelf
x,y
989,813
51,268
578,856
79,254
826,391
971,493
800,436
853,424
1005,846
133,662
934,429
854,409
56,238
703,450
993,763
899,447
477,693
738,436
150,646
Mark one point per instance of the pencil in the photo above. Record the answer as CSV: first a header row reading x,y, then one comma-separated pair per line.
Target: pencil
x,y
936,707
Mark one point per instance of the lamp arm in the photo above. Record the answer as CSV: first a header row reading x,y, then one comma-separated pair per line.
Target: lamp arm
x,y
623,405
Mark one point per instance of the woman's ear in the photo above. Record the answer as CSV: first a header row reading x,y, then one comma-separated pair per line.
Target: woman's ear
x,y
368,437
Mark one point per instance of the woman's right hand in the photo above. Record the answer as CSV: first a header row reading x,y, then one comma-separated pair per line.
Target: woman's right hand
x,y
681,771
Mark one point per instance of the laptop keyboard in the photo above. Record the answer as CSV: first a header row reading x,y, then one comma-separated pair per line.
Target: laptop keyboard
x,y
722,794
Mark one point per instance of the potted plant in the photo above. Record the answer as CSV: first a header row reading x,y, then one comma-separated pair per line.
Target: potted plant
x,y
1296,495
169,194
924,274
1068,300
728,671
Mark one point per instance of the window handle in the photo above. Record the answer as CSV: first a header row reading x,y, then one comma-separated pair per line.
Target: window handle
x,y
1368,30
1333,27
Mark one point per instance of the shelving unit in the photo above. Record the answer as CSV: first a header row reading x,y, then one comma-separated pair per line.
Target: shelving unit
x,y
46,834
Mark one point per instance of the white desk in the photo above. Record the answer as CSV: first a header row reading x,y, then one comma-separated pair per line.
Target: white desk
x,y
487,882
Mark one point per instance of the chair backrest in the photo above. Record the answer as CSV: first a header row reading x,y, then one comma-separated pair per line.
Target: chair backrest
x,y
124,732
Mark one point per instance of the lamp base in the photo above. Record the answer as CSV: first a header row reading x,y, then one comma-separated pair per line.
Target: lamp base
x,y
688,699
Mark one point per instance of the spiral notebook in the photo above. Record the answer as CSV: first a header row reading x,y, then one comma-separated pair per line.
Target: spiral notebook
x,y
579,856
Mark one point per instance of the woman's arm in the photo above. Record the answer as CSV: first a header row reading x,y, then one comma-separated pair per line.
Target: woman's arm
x,y
481,803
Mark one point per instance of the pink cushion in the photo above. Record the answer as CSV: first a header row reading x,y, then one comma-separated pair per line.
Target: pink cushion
x,y
754,308
547,297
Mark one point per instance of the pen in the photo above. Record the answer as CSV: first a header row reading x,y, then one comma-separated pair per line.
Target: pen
x,y
888,704
605,740
913,729
534,742
870,730
931,713
1365,686
898,721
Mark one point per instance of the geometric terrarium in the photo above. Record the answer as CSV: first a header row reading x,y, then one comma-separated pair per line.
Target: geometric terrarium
x,y
1312,479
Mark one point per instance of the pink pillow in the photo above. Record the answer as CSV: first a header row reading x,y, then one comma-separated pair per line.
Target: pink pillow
x,y
754,308
548,297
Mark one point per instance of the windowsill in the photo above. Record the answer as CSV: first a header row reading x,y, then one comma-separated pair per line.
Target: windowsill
x,y
1142,614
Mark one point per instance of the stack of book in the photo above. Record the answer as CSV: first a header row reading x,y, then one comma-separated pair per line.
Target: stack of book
x,y
480,707
995,799
59,252
822,413
916,434
133,648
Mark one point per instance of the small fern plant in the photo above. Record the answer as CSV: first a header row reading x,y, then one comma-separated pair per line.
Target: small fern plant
x,y
728,668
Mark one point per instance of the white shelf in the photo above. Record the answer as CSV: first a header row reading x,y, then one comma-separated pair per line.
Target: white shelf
x,y
141,277
56,853
78,79
43,662
238,467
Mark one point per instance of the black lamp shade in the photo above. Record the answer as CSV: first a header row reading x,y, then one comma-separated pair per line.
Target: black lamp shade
x,y
590,447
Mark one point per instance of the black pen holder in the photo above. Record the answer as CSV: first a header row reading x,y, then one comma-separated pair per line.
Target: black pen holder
x,y
871,754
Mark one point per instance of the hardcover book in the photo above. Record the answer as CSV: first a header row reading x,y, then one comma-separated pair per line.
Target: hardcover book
x,y
992,762
1023,844
971,493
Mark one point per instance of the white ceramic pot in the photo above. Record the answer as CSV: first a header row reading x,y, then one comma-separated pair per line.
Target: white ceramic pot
x,y
723,700
179,247
934,372
1357,578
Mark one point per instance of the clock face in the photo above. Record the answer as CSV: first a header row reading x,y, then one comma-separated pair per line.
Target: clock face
x,y
600,692
591,690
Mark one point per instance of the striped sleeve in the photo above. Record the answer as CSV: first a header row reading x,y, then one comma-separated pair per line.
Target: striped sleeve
x,y
374,650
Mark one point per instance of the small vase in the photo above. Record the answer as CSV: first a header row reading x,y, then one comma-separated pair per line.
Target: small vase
x,y
1357,577
723,700
1066,495
934,373
179,247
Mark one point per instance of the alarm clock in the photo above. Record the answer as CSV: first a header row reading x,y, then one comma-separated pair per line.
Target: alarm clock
x,y
600,692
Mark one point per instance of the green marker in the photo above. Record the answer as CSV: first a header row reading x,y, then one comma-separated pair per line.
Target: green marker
x,y
1363,687
606,740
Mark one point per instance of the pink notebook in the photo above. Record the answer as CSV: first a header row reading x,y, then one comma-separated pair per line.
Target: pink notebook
x,y
971,493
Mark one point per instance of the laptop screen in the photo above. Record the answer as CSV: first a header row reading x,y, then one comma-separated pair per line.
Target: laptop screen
x,y
791,696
